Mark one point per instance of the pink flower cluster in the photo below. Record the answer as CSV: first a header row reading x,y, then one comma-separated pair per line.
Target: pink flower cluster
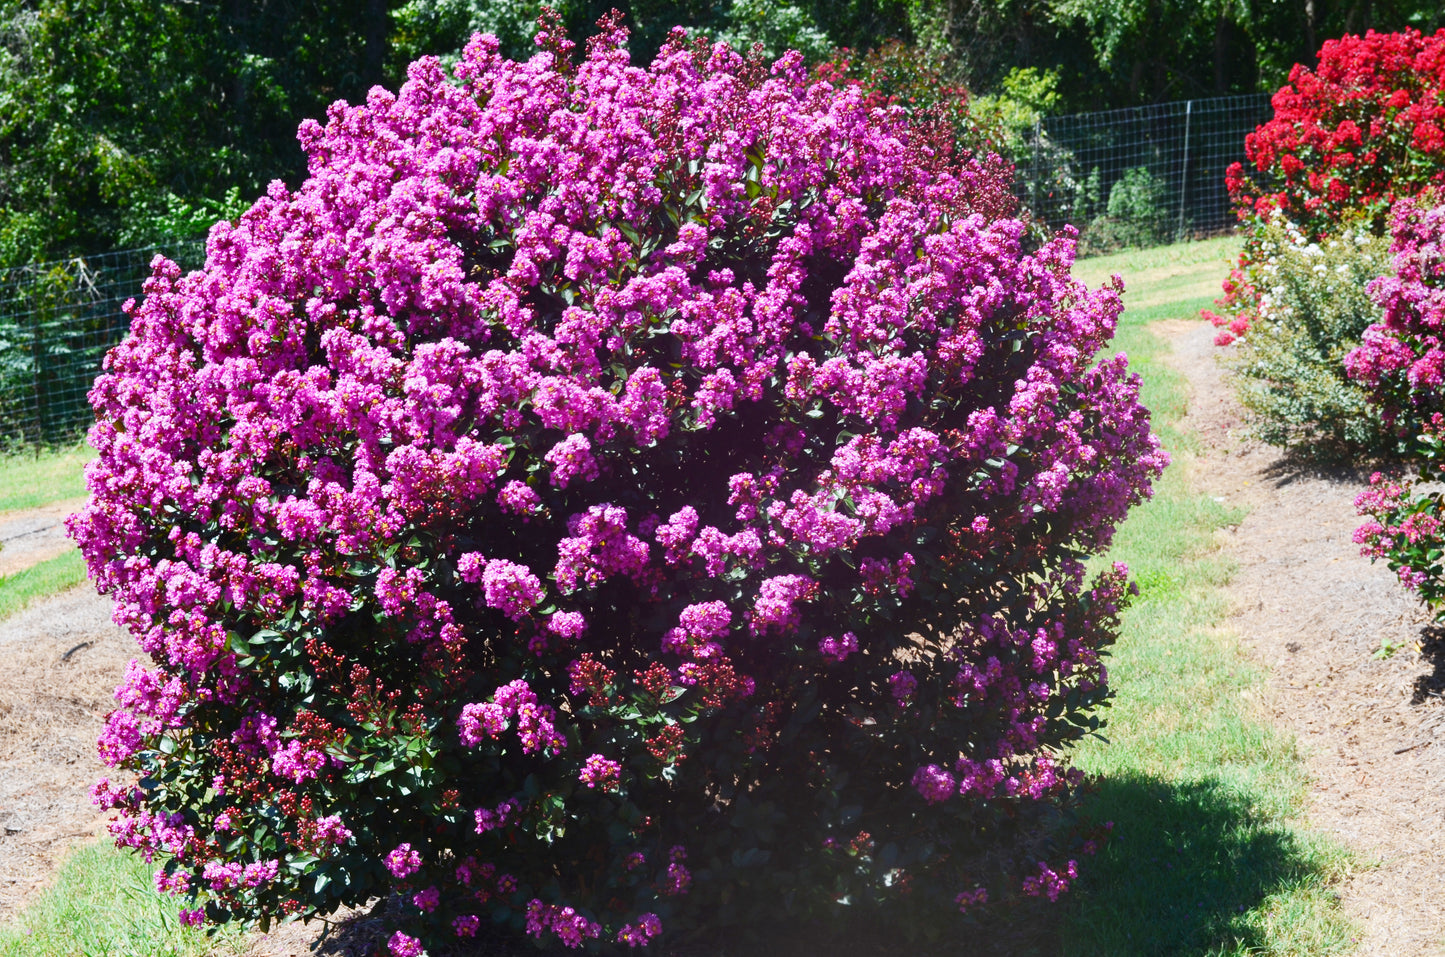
x,y
600,772
1402,357
934,783
574,408
638,934
404,861
515,701
570,927
1049,882
1401,361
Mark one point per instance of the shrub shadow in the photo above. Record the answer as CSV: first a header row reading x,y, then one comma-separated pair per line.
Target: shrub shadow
x,y
1186,865
1432,655
1336,466
1184,868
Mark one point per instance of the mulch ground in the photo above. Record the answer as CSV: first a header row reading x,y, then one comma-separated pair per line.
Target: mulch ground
x,y
63,660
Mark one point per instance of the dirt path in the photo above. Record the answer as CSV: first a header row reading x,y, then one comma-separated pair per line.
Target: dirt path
x,y
30,537
63,659
1315,613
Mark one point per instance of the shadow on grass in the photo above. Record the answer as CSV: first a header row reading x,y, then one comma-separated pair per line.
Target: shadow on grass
x,y
1188,870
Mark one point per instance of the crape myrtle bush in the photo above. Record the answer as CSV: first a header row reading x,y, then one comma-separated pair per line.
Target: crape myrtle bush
x,y
605,499
938,106
1401,360
1289,369
1364,128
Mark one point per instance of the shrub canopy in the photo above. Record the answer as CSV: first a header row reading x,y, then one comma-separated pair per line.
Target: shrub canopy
x,y
606,498
1401,362
1348,138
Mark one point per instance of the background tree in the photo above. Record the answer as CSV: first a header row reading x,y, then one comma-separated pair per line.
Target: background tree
x,y
1113,53
128,121
125,122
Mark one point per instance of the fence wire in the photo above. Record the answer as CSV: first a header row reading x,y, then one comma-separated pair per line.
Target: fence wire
x,y
1139,176
57,321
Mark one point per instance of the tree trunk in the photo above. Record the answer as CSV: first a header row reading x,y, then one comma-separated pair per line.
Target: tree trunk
x,y
1221,54
1311,45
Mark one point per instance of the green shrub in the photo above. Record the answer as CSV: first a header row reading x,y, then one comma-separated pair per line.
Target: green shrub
x,y
1288,368
1137,213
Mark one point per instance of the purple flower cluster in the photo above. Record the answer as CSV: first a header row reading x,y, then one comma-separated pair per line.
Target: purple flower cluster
x,y
1050,883
1401,361
570,927
638,935
600,772
1402,357
404,861
575,408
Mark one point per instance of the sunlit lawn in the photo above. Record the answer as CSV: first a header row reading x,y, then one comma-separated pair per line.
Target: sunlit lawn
x,y
1210,855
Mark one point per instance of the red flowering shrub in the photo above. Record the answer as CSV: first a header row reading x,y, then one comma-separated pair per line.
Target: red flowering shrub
x,y
603,500
1351,136
1348,138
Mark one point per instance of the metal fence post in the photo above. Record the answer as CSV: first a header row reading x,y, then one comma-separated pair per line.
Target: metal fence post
x,y
1184,173
1090,153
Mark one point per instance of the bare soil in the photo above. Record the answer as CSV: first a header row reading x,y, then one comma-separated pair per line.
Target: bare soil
x,y
1312,611
1317,615
32,536
63,659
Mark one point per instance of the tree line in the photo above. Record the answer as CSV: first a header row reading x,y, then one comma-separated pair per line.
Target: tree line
x,y
126,122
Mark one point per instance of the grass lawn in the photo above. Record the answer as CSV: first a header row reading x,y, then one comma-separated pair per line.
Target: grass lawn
x,y
32,479
1183,278
49,577
1210,854
103,905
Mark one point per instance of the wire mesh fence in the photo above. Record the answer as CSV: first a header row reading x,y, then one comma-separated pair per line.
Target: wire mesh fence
x,y
1139,176
57,320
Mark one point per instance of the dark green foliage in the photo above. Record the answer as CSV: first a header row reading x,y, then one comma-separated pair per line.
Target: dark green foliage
x,y
125,122
441,27
1137,213
1113,53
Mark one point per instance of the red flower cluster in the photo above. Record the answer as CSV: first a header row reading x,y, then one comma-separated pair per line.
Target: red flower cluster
x,y
1364,128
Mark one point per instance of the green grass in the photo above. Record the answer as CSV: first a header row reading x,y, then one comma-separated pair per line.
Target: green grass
x,y
103,905
29,480
32,479
25,587
1210,854
1168,281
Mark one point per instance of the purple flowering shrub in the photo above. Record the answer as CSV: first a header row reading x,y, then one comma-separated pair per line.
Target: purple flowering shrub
x,y
605,500
1401,361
